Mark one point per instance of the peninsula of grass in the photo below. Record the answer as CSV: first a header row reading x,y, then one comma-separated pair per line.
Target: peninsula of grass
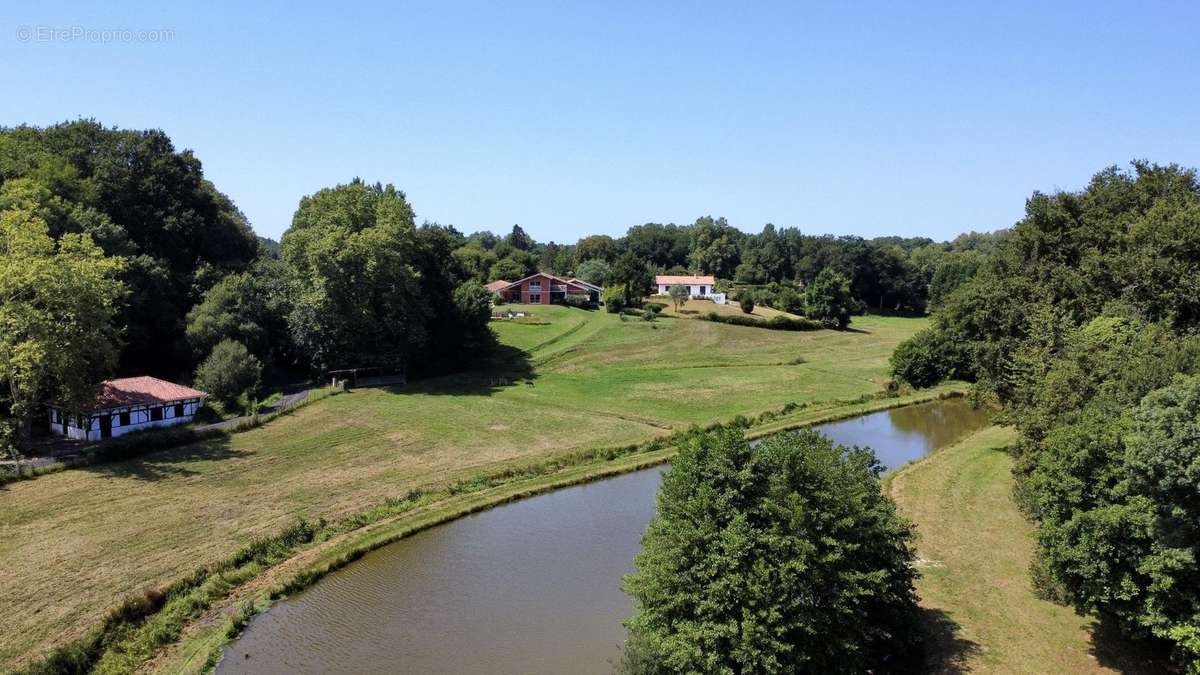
x,y
78,541
975,549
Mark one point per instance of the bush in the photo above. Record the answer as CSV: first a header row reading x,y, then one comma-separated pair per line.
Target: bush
x,y
774,323
746,303
614,298
919,360
580,300
779,557
648,315
829,299
229,372
656,307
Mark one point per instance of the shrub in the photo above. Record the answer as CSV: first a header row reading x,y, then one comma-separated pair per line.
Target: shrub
x,y
648,315
580,300
229,372
656,307
774,323
779,557
829,299
746,303
919,360
614,298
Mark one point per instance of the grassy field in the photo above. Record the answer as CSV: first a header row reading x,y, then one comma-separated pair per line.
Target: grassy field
x,y
975,549
75,542
694,306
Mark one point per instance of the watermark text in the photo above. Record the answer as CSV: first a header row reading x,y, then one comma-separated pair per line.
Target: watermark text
x,y
93,35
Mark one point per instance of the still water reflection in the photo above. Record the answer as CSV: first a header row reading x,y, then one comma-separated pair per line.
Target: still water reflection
x,y
529,587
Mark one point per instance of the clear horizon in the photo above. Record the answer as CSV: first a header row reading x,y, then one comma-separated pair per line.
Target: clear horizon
x,y
870,120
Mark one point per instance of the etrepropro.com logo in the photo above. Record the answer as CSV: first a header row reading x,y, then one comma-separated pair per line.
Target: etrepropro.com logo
x,y
93,35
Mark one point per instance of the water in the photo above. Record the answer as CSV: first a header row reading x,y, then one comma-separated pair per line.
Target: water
x,y
530,587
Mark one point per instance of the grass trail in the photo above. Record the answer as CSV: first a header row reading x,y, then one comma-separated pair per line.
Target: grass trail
x,y
976,548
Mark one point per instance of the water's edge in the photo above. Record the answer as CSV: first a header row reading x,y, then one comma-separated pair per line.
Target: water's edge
x,y
208,638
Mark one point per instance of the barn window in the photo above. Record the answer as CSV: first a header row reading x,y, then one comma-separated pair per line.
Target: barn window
x,y
125,418
179,410
156,414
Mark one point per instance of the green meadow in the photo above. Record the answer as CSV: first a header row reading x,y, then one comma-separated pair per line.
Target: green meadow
x,y
568,380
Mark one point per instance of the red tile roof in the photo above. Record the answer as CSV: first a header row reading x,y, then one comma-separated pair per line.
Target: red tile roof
x,y
141,391
496,285
684,279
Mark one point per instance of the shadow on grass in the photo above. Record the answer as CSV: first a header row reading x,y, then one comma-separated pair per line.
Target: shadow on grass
x,y
1113,650
500,367
946,651
170,463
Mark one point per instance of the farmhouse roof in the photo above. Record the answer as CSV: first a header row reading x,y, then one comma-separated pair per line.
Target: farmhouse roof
x,y
685,279
497,285
585,284
547,275
141,391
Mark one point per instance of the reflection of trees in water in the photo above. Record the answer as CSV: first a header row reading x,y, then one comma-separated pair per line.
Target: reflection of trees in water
x,y
940,422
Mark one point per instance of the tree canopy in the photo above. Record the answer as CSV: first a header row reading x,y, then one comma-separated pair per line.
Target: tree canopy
x,y
776,557
1082,321
58,305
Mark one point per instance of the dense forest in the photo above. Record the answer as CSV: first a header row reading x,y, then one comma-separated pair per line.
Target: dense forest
x,y
1083,324
118,256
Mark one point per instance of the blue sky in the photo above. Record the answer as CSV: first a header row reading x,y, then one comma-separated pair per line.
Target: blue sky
x,y
572,118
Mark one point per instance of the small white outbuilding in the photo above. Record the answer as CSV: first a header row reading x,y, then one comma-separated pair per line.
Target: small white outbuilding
x,y
125,405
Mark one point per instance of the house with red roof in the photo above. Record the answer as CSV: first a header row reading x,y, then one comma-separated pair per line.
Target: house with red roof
x,y
125,405
496,285
698,286
545,289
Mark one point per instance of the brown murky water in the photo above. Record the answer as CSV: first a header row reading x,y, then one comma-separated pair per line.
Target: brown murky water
x,y
530,587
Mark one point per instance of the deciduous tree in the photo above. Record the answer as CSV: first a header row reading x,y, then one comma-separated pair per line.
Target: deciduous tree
x,y
779,557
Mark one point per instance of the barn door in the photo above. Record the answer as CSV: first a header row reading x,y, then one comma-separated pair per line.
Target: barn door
x,y
106,426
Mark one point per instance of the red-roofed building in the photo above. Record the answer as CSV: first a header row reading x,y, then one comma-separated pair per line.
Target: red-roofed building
x,y
125,405
544,289
698,286
497,285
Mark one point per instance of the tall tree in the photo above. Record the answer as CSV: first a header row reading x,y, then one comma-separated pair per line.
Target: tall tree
x,y
777,557
828,299
351,254
599,246
632,273
715,247
58,302
179,233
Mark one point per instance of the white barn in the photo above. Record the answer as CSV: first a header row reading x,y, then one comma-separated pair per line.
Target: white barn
x,y
125,405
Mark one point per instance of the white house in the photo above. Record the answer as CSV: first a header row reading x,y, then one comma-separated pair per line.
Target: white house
x,y
698,286
125,405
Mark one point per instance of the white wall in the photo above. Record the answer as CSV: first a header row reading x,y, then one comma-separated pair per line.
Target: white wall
x,y
693,290
138,420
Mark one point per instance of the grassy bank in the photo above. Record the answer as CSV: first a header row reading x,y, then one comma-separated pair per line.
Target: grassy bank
x,y
975,549
77,541
202,643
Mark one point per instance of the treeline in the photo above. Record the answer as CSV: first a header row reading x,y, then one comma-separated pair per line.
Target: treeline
x,y
117,256
1083,323
774,266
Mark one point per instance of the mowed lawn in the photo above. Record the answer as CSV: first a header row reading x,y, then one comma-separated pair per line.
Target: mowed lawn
x,y
976,548
72,544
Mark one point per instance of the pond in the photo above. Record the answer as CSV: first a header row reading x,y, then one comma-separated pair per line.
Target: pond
x,y
528,587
